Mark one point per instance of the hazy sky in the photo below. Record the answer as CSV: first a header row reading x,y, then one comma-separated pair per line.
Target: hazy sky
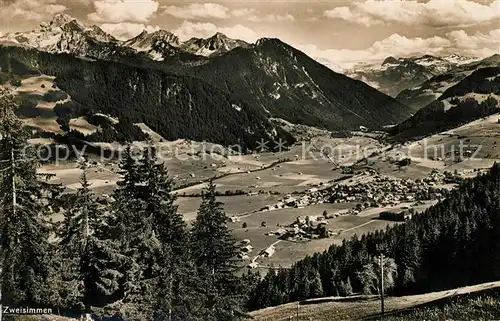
x,y
342,32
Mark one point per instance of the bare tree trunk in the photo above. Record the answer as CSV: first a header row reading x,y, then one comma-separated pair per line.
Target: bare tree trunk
x,y
14,194
170,298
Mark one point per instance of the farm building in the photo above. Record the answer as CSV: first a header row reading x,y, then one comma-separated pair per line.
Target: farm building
x,y
397,217
247,248
268,252
243,256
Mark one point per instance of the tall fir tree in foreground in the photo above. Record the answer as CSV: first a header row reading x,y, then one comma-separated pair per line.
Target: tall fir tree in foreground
x,y
24,207
177,280
152,235
214,251
156,191
133,230
90,260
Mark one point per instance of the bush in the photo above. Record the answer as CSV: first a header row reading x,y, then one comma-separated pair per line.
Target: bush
x,y
404,162
54,95
15,82
27,109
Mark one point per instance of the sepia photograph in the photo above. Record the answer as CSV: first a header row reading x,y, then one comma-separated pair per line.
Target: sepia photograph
x,y
239,160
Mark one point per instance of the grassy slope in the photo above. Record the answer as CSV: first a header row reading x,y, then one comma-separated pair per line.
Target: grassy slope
x,y
479,302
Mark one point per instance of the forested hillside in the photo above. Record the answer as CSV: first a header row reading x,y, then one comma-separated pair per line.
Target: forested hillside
x,y
292,86
452,244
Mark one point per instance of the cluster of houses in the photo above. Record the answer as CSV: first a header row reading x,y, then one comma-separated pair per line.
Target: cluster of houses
x,y
437,177
304,228
296,202
379,190
386,191
245,248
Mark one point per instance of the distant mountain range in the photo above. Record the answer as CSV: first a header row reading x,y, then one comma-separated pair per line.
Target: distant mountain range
x,y
217,89
64,34
476,95
395,75
425,93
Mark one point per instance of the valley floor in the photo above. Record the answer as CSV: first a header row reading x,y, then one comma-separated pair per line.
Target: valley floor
x,y
265,179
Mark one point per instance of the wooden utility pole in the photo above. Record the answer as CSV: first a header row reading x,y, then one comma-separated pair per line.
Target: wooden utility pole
x,y
14,194
382,283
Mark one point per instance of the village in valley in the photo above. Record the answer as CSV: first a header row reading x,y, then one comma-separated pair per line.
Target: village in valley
x,y
395,199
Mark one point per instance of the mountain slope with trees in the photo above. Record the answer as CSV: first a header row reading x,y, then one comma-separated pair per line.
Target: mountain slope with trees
x,y
173,105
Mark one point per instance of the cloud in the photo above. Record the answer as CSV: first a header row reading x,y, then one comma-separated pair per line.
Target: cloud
x,y
123,10
479,44
127,30
199,10
455,42
346,14
30,9
435,13
243,12
272,18
190,29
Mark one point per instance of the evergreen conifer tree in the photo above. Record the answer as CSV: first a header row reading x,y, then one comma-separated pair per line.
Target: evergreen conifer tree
x,y
156,191
90,260
133,229
214,250
24,228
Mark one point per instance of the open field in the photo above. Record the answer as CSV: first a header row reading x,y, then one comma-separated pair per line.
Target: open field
x,y
479,140
358,307
233,205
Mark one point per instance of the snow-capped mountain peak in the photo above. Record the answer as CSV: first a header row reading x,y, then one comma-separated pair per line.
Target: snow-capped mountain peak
x,y
146,41
217,44
60,19
158,44
63,34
